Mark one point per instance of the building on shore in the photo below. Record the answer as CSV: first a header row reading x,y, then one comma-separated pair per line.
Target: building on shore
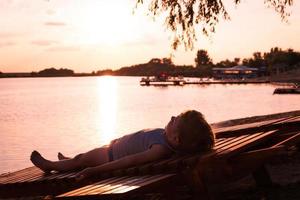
x,y
237,72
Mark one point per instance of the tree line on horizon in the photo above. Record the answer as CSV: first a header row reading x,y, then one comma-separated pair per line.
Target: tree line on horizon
x,y
274,61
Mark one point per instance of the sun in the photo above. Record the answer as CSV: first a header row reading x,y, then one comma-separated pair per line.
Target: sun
x,y
107,23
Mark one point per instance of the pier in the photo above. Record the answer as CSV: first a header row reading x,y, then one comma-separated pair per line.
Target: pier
x,y
188,82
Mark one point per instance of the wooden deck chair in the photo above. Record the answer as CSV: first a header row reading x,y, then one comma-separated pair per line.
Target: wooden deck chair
x,y
32,181
232,157
195,170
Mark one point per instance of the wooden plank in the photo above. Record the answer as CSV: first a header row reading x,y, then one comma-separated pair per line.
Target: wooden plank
x,y
16,175
51,177
252,155
88,188
23,175
293,140
56,176
127,186
219,131
220,141
231,141
289,120
6,176
238,141
256,126
32,178
135,180
246,143
108,187
135,186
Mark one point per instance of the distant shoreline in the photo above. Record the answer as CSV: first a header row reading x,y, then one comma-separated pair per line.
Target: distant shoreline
x,y
28,75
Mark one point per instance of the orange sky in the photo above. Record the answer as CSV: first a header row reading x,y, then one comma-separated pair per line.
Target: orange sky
x,y
87,35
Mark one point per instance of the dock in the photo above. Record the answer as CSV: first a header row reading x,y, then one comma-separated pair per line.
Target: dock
x,y
187,82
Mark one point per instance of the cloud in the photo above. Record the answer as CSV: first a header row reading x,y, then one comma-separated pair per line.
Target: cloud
x,y
8,34
6,44
64,48
55,24
44,42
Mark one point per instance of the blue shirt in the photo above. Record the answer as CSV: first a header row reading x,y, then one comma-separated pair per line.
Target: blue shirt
x,y
138,142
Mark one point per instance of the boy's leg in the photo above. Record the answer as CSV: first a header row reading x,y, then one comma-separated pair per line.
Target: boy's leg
x,y
91,158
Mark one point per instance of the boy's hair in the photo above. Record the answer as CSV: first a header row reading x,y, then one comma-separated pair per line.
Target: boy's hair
x,y
195,134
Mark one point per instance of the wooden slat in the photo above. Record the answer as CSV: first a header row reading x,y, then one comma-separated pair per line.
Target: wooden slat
x,y
55,176
220,141
124,185
246,143
231,141
11,176
135,180
221,130
237,141
24,175
32,178
6,176
289,120
138,184
51,177
293,140
108,187
91,187
256,126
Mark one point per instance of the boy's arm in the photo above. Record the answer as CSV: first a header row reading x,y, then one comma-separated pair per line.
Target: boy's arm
x,y
154,153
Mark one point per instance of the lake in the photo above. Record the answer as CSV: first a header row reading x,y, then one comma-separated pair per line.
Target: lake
x,y
76,114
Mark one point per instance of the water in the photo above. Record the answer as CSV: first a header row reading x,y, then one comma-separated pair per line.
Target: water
x,y
73,115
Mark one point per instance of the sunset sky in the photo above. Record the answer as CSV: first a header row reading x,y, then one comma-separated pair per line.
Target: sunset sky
x,y
87,35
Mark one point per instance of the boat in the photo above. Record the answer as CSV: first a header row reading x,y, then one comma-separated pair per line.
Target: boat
x,y
287,91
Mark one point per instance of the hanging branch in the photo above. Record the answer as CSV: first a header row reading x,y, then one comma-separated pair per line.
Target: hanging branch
x,y
184,15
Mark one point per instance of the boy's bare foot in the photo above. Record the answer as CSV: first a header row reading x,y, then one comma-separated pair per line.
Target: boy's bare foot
x,y
60,156
40,162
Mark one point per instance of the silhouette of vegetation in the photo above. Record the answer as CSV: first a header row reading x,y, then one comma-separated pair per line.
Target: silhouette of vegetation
x,y
277,60
267,63
273,62
226,63
153,68
203,62
182,16
202,58
52,72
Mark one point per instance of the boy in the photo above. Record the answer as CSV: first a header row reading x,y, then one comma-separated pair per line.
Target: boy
x,y
187,133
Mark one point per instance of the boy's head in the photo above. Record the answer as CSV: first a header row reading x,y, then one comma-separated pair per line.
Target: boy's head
x,y
190,132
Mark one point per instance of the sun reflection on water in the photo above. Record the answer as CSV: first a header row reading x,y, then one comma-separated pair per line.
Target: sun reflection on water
x,y
108,97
